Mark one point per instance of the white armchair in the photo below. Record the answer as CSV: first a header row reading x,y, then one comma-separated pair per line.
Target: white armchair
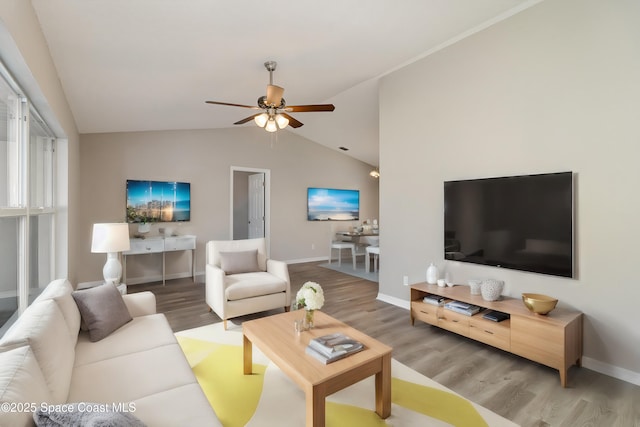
x,y
241,280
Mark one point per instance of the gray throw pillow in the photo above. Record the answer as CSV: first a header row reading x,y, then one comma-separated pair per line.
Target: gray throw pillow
x,y
102,309
239,262
85,415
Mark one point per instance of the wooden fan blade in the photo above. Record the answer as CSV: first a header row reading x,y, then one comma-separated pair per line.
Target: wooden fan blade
x,y
246,119
231,105
274,95
292,121
309,108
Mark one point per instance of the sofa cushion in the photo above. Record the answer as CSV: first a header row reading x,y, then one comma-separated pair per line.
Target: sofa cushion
x,y
142,333
239,262
195,409
43,326
21,383
60,291
132,376
102,309
84,414
248,285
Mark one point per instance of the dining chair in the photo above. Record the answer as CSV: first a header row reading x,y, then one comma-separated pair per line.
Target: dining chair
x,y
372,249
341,242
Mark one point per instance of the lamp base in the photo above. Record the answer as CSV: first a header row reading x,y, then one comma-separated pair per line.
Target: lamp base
x,y
112,270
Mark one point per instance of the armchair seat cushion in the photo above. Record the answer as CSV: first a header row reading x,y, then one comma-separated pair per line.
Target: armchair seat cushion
x,y
249,285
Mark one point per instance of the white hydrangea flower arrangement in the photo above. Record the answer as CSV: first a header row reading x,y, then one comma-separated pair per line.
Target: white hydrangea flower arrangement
x,y
310,296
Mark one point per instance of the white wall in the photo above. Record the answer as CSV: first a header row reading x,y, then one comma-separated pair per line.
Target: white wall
x,y
204,158
553,88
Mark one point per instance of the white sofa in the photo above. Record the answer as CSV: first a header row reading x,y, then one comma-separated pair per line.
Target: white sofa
x,y
45,359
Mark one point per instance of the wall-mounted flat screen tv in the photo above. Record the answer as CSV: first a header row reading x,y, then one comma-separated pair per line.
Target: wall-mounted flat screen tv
x,y
158,201
518,222
329,204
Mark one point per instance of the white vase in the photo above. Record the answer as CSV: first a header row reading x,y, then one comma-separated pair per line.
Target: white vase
x,y
432,274
491,289
475,286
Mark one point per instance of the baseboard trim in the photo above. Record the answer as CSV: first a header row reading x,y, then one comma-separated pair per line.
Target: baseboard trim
x,y
587,362
398,302
301,260
139,280
611,370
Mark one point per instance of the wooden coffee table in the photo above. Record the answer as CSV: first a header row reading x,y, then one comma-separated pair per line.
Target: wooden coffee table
x,y
276,338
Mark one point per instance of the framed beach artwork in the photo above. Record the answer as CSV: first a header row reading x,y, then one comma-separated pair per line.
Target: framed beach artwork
x,y
330,204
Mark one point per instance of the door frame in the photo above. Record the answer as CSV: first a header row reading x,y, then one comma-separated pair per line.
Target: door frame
x,y
267,201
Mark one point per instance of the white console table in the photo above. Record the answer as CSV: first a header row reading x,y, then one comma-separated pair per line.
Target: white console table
x,y
159,244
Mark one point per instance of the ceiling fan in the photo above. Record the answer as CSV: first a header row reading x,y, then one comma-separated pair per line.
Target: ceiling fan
x,y
274,114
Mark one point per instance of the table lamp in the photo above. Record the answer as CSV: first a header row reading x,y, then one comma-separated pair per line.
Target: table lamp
x,y
111,239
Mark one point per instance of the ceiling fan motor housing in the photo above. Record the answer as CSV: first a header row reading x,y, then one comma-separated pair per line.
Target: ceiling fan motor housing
x,y
262,103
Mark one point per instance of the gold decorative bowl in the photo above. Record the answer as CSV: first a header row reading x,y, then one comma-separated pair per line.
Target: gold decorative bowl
x,y
538,303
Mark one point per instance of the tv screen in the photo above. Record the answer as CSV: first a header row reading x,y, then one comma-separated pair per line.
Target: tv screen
x,y
158,201
329,204
519,222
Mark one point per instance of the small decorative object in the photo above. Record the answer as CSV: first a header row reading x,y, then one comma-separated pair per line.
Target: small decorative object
x,y
491,289
432,274
308,319
538,303
442,283
311,297
144,227
474,286
448,280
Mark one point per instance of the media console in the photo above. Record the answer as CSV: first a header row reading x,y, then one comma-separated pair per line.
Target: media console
x,y
554,340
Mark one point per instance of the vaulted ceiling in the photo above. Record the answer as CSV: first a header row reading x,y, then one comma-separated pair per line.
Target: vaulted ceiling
x,y
135,65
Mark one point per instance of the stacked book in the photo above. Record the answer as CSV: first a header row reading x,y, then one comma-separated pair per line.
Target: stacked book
x,y
462,307
496,316
434,300
332,347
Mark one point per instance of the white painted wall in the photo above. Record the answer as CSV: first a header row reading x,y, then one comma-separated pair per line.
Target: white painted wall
x,y
553,88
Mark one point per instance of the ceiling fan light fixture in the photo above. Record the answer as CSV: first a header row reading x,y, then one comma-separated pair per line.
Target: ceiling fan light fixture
x,y
271,125
282,121
261,119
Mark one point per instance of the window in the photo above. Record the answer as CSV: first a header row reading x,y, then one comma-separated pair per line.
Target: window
x,y
27,205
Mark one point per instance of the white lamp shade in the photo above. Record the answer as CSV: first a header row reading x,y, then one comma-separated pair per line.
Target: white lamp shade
x,y
282,121
271,126
261,119
113,237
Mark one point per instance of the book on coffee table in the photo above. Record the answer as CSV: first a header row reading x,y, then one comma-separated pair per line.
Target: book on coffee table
x,y
332,347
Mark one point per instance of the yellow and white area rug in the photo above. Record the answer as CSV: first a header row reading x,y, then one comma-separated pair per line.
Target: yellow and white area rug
x,y
268,398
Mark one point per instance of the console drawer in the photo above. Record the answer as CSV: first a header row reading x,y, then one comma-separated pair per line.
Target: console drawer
x,y
143,246
181,243
425,312
497,334
454,322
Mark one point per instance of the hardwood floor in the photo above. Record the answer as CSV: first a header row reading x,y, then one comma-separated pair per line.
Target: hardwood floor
x,y
518,389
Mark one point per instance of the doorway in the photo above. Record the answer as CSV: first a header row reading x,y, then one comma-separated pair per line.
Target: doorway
x,y
250,202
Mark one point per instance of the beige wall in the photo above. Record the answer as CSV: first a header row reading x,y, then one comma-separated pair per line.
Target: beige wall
x,y
204,158
554,88
25,52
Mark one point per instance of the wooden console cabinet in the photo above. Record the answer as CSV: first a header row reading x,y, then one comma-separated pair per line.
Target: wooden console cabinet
x,y
554,340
